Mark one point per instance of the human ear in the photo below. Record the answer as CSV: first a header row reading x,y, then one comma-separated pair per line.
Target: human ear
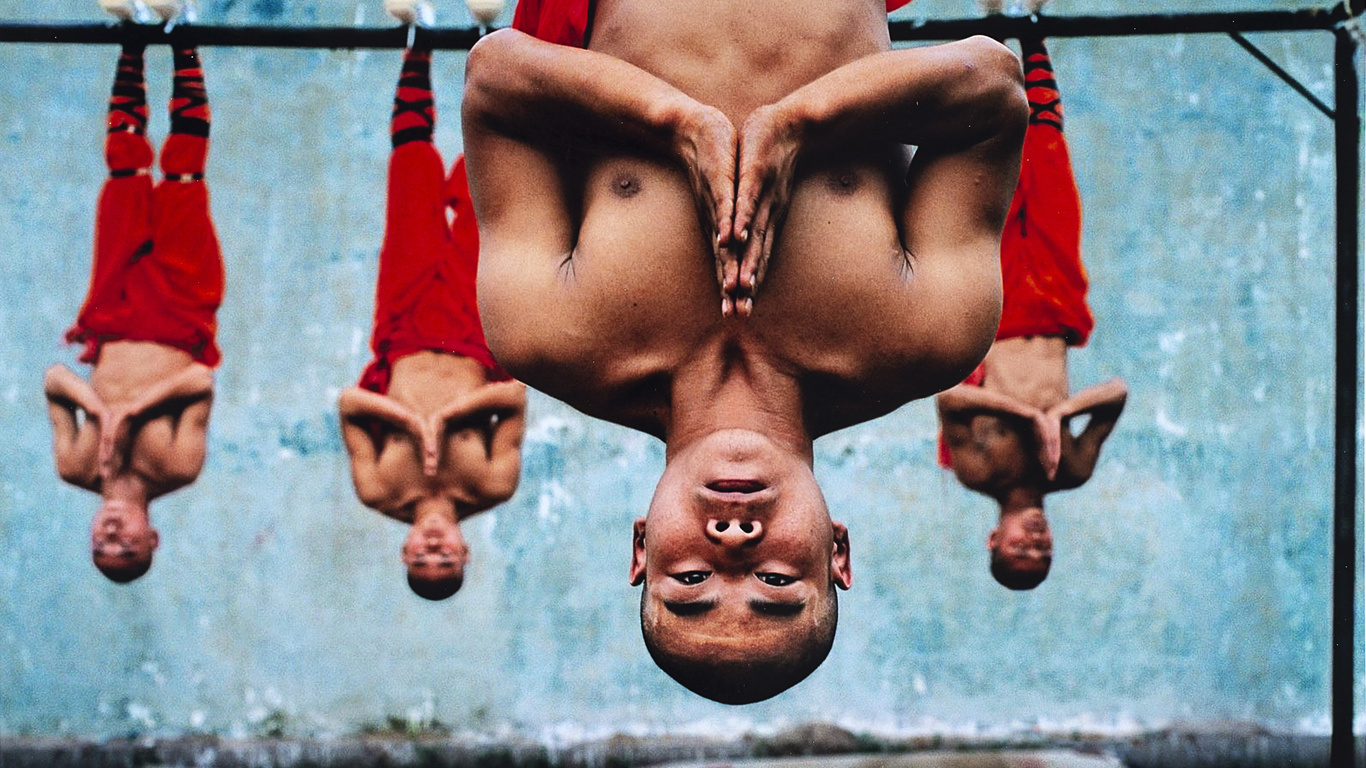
x,y
841,571
637,573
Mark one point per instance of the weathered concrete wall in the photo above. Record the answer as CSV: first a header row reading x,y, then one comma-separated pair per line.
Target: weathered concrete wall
x,y
1192,576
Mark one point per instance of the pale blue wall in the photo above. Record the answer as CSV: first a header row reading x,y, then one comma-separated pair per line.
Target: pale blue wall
x,y
1192,575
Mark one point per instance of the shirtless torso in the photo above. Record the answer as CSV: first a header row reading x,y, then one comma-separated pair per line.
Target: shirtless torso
x,y
135,432
881,288
442,431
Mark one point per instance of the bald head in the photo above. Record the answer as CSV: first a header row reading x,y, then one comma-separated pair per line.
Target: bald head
x,y
741,659
122,540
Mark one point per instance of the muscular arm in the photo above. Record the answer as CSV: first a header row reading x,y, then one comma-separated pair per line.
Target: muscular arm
x,y
1103,403
75,440
963,106
527,105
360,409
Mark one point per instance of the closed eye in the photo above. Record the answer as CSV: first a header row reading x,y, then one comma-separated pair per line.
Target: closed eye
x,y
775,579
690,578
776,608
689,607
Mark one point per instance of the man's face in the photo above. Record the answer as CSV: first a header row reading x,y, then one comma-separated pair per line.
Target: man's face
x,y
121,536
1023,540
435,550
737,541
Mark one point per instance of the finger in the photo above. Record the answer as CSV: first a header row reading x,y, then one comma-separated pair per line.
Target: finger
x,y
766,253
725,219
754,250
1052,455
747,192
722,194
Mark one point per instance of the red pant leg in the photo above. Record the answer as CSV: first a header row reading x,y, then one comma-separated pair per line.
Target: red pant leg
x,y
1042,274
182,285
123,236
425,294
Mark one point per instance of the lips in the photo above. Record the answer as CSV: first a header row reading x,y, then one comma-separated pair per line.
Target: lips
x,y
736,486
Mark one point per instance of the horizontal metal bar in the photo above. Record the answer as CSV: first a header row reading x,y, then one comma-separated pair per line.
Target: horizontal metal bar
x,y
1002,27
462,38
246,36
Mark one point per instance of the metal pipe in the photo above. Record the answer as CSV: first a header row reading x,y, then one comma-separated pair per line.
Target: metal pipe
x,y
1279,71
462,38
1347,143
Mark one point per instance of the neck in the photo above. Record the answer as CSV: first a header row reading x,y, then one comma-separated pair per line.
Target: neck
x,y
434,505
127,488
739,393
1021,498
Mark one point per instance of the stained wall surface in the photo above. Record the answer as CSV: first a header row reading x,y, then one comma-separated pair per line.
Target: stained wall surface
x,y
1192,576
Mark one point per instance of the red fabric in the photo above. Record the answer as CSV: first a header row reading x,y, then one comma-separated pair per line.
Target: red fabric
x,y
425,295
157,273
892,5
1043,278
555,21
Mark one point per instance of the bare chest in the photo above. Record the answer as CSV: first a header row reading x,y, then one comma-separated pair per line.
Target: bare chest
x,y
1032,370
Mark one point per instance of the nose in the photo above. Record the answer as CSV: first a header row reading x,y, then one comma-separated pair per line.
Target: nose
x,y
734,533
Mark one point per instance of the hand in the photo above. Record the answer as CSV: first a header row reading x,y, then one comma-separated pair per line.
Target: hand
x,y
706,143
769,144
432,431
115,430
1048,432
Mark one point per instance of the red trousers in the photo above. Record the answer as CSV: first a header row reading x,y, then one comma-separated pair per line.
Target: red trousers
x,y
158,272
1043,279
425,295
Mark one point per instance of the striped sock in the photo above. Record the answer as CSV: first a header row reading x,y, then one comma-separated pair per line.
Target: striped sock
x,y
414,114
189,100
1045,103
128,98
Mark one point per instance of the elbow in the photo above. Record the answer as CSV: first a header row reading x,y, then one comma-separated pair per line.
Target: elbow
x,y
999,83
485,66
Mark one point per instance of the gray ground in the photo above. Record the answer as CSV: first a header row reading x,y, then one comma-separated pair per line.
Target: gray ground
x,y
810,746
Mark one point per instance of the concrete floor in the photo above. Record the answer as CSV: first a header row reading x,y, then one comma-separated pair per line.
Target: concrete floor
x,y
1056,758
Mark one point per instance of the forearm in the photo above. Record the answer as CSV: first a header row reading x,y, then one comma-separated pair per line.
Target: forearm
x,y
63,387
358,405
966,400
1104,400
193,384
948,97
506,398
530,90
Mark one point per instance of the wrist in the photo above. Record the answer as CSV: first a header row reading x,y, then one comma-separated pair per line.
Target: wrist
x,y
686,124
